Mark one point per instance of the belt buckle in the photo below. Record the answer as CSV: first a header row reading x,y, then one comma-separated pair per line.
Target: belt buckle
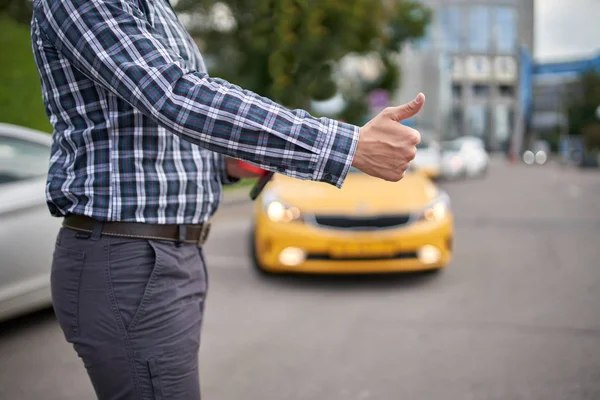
x,y
204,231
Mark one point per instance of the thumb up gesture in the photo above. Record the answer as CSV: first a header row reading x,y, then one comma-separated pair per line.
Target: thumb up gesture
x,y
385,146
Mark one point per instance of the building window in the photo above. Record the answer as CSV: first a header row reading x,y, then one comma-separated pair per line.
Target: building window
x,y
479,68
504,119
456,125
479,29
506,90
505,68
502,123
478,120
458,68
456,91
481,90
452,28
506,29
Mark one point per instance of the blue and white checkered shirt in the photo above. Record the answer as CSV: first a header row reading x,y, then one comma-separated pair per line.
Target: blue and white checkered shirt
x,y
141,130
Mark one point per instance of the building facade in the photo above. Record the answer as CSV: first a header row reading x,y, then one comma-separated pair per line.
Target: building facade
x,y
469,67
554,84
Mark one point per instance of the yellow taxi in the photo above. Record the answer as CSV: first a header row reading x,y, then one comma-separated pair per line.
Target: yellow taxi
x,y
368,226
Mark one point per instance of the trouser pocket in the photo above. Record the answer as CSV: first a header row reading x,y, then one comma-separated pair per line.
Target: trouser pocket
x,y
155,382
132,273
65,281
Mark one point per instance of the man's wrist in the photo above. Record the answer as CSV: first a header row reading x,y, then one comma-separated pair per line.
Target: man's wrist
x,y
357,159
227,179
338,148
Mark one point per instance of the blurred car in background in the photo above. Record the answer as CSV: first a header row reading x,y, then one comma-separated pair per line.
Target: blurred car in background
x,y
27,231
464,157
428,158
452,165
538,153
368,226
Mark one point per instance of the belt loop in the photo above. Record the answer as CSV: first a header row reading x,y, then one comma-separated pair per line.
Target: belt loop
x,y
97,230
182,234
204,231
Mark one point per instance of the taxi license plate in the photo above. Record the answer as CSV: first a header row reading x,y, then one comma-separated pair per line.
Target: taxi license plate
x,y
361,249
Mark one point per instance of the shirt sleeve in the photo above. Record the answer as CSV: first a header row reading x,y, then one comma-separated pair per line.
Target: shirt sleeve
x,y
113,44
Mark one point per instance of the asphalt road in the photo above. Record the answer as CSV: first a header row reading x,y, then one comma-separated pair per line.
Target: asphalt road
x,y
515,316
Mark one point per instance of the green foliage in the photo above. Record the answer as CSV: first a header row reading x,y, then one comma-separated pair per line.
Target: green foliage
x,y
591,137
17,10
289,50
582,108
553,139
247,182
20,92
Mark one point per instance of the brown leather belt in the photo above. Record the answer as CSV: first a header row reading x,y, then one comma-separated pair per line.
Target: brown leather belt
x,y
196,234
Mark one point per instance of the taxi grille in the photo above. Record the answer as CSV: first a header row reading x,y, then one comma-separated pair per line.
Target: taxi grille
x,y
362,222
328,257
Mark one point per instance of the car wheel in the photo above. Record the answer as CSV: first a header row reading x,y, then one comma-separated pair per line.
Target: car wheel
x,y
484,171
256,265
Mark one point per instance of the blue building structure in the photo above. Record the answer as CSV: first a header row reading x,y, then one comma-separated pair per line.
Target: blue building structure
x,y
566,69
470,67
553,84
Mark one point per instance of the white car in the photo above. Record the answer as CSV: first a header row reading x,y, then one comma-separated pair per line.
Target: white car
x,y
27,230
428,158
538,153
464,157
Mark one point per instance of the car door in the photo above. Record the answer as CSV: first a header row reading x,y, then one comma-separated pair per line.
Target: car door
x,y
27,231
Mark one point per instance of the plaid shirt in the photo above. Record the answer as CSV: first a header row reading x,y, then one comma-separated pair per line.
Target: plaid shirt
x,y
141,130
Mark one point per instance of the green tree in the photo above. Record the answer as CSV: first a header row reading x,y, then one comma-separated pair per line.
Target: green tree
x,y
18,10
20,90
582,107
290,50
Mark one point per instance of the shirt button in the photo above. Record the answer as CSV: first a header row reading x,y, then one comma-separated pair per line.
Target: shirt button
x,y
328,176
281,169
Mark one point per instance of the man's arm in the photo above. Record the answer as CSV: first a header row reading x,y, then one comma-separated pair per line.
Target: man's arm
x,y
222,168
112,43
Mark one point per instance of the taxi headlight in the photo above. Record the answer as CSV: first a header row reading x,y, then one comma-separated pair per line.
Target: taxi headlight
x,y
278,211
435,211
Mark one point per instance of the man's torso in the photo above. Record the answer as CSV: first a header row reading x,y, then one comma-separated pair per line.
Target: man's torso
x,y
111,162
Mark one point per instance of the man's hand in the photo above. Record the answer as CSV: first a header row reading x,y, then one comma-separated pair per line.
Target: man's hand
x,y
386,147
234,170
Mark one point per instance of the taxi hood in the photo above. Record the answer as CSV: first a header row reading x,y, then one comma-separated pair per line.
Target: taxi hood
x,y
360,193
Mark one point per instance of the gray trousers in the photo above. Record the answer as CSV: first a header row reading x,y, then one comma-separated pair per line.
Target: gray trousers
x,y
132,309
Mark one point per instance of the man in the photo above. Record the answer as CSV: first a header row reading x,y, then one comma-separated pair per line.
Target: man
x,y
144,140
